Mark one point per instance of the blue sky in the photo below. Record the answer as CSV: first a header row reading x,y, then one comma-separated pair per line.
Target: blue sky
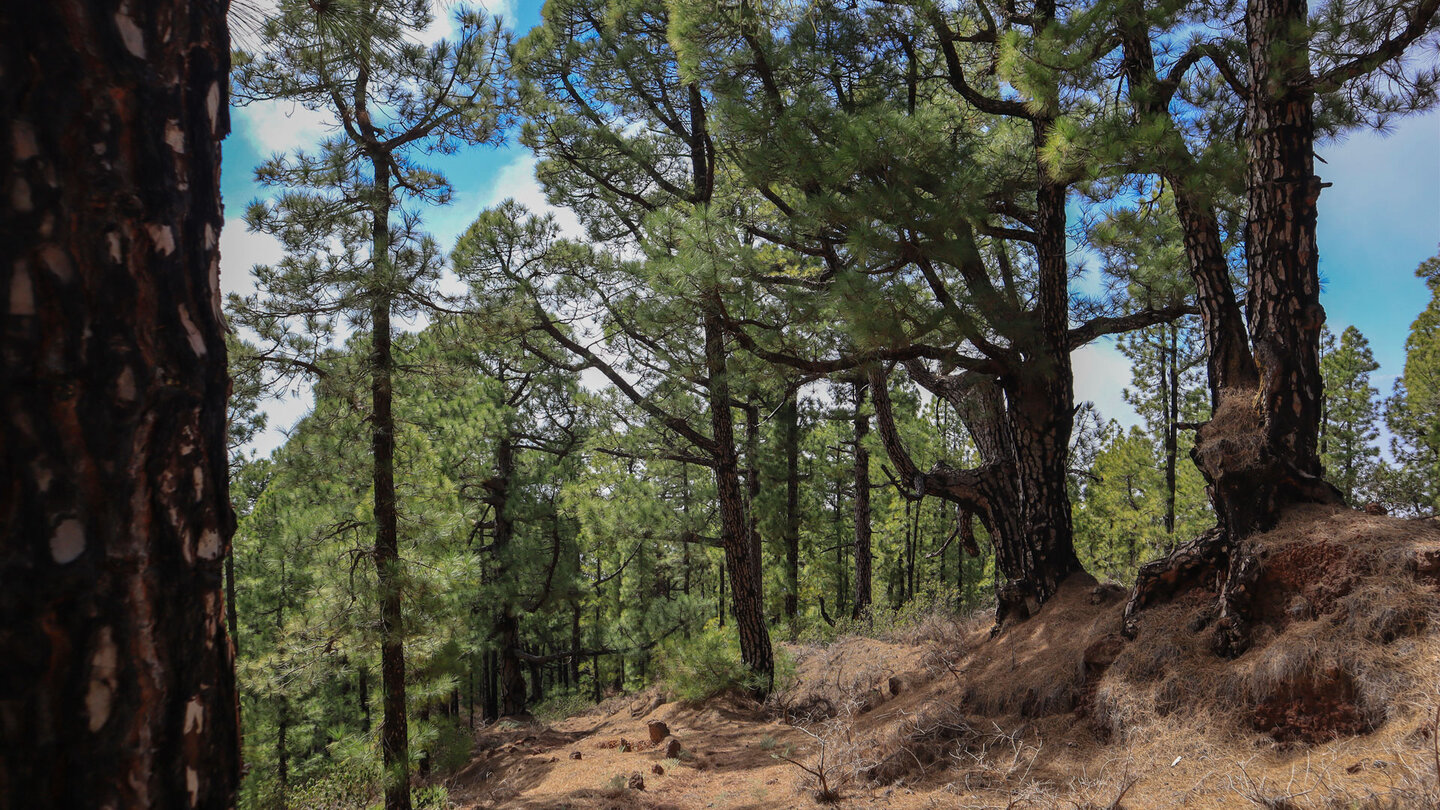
x,y
1377,223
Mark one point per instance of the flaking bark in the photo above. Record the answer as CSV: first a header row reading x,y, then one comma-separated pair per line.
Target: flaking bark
x,y
117,687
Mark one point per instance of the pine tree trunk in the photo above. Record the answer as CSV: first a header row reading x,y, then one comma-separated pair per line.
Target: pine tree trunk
x,y
1229,363
745,582
118,685
394,729
862,504
507,624
1283,310
752,488
1259,450
790,427
490,687
1172,426
1041,406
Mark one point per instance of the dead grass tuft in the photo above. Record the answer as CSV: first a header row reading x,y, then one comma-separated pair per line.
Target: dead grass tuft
x,y
920,742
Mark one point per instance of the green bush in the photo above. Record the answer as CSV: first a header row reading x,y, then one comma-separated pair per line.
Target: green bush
x,y
432,797
708,663
560,706
929,616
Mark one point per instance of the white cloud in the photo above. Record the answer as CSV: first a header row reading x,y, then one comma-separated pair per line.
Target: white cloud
x,y
282,414
241,250
1101,373
516,181
281,126
443,24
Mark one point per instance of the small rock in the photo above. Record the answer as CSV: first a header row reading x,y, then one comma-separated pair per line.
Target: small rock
x,y
658,731
637,782
625,746
657,770
574,754
672,750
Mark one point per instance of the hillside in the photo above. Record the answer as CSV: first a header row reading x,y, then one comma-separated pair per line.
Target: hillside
x,y
1335,705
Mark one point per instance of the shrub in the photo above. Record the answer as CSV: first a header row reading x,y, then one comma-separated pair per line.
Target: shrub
x,y
560,706
708,663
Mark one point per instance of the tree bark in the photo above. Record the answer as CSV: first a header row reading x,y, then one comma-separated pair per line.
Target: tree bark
x,y
745,584
862,504
363,688
1040,399
394,728
117,686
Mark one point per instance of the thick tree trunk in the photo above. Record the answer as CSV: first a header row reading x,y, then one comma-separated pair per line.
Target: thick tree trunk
x,y
862,504
394,729
745,583
1041,402
790,426
1283,309
117,687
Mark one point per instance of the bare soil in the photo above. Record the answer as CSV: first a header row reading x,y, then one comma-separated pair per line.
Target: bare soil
x,y
1334,705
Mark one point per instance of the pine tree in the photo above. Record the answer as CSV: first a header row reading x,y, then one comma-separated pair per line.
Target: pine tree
x,y
1349,430
628,144
1413,411
354,250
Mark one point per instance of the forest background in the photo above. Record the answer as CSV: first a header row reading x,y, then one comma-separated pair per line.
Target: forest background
x,y
557,547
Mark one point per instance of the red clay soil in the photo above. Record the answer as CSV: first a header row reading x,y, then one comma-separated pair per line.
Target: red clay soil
x,y
1333,705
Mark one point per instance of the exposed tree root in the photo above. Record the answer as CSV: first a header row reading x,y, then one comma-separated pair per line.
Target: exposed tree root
x,y
1200,562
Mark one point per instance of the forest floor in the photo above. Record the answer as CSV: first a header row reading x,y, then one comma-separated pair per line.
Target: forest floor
x,y
1335,704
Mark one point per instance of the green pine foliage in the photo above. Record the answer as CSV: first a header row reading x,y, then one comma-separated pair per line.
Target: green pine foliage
x,y
1412,412
1350,427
